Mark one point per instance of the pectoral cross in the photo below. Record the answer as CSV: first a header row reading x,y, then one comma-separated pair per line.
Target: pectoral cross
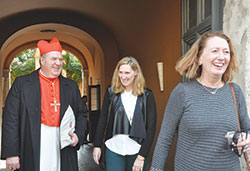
x,y
55,104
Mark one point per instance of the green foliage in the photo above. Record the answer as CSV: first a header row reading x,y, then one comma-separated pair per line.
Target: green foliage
x,y
24,63
73,67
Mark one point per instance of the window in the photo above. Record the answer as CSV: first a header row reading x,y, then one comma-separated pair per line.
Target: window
x,y
198,17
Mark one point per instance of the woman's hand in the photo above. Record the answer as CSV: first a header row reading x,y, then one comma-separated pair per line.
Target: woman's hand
x,y
243,142
138,164
97,154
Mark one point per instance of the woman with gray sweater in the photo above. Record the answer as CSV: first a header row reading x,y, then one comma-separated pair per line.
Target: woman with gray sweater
x,y
202,110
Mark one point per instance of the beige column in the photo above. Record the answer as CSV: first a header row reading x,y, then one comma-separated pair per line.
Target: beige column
x,y
37,58
6,84
37,61
85,79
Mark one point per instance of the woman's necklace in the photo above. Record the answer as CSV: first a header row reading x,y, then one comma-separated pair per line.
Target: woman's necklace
x,y
211,92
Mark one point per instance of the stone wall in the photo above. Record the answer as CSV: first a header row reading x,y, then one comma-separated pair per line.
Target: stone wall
x,y
236,24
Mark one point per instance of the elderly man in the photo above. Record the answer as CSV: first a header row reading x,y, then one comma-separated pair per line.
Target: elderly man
x,y
34,109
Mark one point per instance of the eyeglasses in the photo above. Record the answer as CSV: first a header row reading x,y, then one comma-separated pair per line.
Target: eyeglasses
x,y
233,141
130,61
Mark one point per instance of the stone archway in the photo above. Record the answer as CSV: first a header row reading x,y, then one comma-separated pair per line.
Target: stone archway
x,y
74,40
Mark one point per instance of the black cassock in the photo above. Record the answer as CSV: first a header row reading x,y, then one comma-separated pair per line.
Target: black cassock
x,y
21,126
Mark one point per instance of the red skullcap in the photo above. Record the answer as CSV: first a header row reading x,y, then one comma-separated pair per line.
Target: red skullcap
x,y
45,47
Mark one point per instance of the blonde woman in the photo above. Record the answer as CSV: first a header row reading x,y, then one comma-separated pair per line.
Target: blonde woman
x,y
129,117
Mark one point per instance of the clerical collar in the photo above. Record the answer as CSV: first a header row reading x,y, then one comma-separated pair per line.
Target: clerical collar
x,y
50,78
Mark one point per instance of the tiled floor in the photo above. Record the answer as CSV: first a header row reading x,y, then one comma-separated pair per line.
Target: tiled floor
x,y
86,162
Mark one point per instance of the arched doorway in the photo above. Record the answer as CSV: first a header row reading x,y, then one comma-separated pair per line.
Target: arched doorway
x,y
74,40
86,34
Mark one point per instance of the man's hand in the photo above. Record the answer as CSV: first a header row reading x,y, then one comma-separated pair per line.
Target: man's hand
x,y
74,139
13,163
97,154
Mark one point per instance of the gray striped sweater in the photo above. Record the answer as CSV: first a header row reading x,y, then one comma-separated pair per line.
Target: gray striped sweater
x,y
202,120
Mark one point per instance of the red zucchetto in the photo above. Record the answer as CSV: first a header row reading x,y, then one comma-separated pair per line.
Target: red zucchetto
x,y
45,47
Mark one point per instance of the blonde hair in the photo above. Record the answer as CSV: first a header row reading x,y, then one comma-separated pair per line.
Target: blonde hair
x,y
188,65
139,81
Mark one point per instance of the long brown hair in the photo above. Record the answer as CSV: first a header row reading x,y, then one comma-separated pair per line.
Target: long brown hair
x,y
188,65
139,81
